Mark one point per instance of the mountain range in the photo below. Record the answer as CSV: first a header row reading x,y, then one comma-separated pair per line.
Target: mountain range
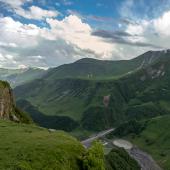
x,y
20,76
82,98
132,89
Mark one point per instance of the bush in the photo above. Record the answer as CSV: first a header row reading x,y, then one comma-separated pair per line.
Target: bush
x,y
93,158
118,159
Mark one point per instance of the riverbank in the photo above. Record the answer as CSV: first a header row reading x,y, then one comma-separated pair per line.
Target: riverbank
x,y
145,161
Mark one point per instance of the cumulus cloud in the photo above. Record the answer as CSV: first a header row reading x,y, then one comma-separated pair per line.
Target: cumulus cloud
x,y
71,38
71,29
78,33
65,40
18,34
50,53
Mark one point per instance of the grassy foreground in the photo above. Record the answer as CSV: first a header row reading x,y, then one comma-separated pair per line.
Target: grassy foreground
x,y
28,147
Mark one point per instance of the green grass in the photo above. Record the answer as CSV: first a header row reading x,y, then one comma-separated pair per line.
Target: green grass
x,y
28,147
4,84
155,139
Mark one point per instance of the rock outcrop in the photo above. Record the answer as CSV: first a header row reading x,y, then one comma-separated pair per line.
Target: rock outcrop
x,y
8,110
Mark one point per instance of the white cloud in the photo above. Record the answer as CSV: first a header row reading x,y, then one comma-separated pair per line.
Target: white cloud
x,y
15,33
135,29
138,31
37,13
33,12
2,44
74,31
162,24
22,66
154,31
70,39
71,29
7,58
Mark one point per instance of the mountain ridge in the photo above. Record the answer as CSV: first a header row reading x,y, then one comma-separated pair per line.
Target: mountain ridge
x,y
103,69
83,99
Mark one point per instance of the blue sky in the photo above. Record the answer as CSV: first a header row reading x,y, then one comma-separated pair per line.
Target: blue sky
x,y
48,33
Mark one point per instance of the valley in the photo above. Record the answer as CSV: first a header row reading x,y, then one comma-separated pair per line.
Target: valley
x,y
141,94
84,85
121,105
145,160
26,146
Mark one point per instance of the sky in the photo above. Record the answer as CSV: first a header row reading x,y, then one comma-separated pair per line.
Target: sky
x,y
48,33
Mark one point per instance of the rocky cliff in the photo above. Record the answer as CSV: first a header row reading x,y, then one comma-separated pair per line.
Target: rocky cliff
x,y
8,110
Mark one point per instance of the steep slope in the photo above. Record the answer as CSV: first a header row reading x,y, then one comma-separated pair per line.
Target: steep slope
x,y
152,136
141,95
8,110
29,147
100,104
20,76
53,122
155,139
68,97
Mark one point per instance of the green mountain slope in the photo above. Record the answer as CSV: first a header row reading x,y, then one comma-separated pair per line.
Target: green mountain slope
x,y
20,76
54,122
101,104
155,139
